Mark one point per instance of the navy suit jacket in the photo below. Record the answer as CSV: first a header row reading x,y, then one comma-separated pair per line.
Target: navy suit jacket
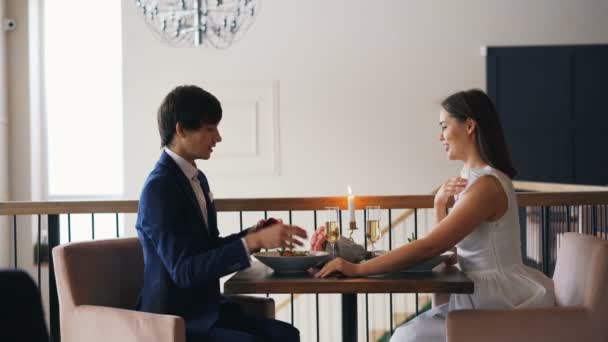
x,y
184,257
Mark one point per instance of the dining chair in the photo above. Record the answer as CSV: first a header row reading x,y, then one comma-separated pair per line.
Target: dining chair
x,y
98,283
21,312
580,314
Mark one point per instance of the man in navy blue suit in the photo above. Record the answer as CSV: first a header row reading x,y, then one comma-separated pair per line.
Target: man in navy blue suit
x,y
184,255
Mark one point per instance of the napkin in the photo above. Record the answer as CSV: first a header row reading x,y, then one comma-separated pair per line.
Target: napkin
x,y
347,250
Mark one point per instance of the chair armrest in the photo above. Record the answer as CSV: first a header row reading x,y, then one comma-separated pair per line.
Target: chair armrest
x,y
553,324
255,306
99,323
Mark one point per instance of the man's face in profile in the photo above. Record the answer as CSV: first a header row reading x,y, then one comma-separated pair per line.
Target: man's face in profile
x,y
200,142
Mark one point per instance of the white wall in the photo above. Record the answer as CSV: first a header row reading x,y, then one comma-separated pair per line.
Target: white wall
x,y
24,123
24,168
24,145
359,84
4,158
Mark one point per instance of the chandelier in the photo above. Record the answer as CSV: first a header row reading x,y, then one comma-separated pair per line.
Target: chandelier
x,y
217,23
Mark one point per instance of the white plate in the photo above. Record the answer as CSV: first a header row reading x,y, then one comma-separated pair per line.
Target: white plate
x,y
291,264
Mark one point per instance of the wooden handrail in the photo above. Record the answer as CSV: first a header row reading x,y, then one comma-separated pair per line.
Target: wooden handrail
x,y
545,199
556,187
241,204
67,207
530,199
583,196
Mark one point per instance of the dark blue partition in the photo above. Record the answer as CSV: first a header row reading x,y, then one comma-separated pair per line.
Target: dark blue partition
x,y
552,101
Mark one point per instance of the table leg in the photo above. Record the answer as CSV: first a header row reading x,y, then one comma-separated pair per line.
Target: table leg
x,y
349,317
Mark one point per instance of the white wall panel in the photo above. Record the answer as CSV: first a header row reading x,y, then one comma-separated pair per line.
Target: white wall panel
x,y
249,129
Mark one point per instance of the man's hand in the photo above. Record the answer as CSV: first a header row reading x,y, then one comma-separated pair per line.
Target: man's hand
x,y
275,236
265,224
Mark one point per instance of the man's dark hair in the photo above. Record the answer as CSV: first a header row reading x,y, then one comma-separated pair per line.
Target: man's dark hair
x,y
475,104
189,105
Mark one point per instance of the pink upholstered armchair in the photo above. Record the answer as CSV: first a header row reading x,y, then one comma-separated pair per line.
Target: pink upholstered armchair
x,y
581,314
98,283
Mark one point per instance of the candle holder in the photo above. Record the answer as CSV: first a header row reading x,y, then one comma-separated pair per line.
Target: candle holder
x,y
352,226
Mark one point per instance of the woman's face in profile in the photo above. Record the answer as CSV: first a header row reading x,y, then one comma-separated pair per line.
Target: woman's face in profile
x,y
453,136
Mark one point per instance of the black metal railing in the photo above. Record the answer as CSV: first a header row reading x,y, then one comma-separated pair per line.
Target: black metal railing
x,y
542,227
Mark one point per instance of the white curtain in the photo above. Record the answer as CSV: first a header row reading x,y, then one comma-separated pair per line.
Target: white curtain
x,y
5,235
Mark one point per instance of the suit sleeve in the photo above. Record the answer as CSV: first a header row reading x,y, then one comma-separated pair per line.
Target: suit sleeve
x,y
189,258
233,237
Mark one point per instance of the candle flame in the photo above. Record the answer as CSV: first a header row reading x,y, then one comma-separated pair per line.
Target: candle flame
x,y
350,192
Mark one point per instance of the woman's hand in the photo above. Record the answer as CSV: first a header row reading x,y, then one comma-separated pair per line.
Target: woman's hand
x,y
453,259
448,190
339,265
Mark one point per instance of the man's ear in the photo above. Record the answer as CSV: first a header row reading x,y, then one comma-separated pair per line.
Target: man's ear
x,y
471,126
179,130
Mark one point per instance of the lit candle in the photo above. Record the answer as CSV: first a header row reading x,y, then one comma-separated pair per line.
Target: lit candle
x,y
351,205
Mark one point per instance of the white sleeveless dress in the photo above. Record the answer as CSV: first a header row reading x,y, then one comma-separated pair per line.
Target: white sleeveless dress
x,y
491,257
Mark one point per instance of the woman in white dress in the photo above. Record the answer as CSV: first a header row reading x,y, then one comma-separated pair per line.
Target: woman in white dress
x,y
483,226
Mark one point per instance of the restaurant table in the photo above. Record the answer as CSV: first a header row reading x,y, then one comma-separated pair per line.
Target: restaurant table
x,y
261,279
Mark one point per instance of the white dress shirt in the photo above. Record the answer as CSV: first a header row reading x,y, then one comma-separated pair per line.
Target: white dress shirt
x,y
191,173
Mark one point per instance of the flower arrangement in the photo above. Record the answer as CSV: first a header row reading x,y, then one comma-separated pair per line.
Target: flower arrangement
x,y
318,241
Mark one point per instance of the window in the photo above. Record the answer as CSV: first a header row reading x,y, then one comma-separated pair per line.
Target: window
x,y
83,99
83,135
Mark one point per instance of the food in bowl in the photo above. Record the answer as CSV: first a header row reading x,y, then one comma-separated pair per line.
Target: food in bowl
x,y
289,252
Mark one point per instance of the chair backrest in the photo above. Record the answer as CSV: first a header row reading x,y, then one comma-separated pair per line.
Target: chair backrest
x,y
100,272
581,273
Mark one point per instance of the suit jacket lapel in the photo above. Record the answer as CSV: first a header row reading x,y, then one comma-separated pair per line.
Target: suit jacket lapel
x,y
184,182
